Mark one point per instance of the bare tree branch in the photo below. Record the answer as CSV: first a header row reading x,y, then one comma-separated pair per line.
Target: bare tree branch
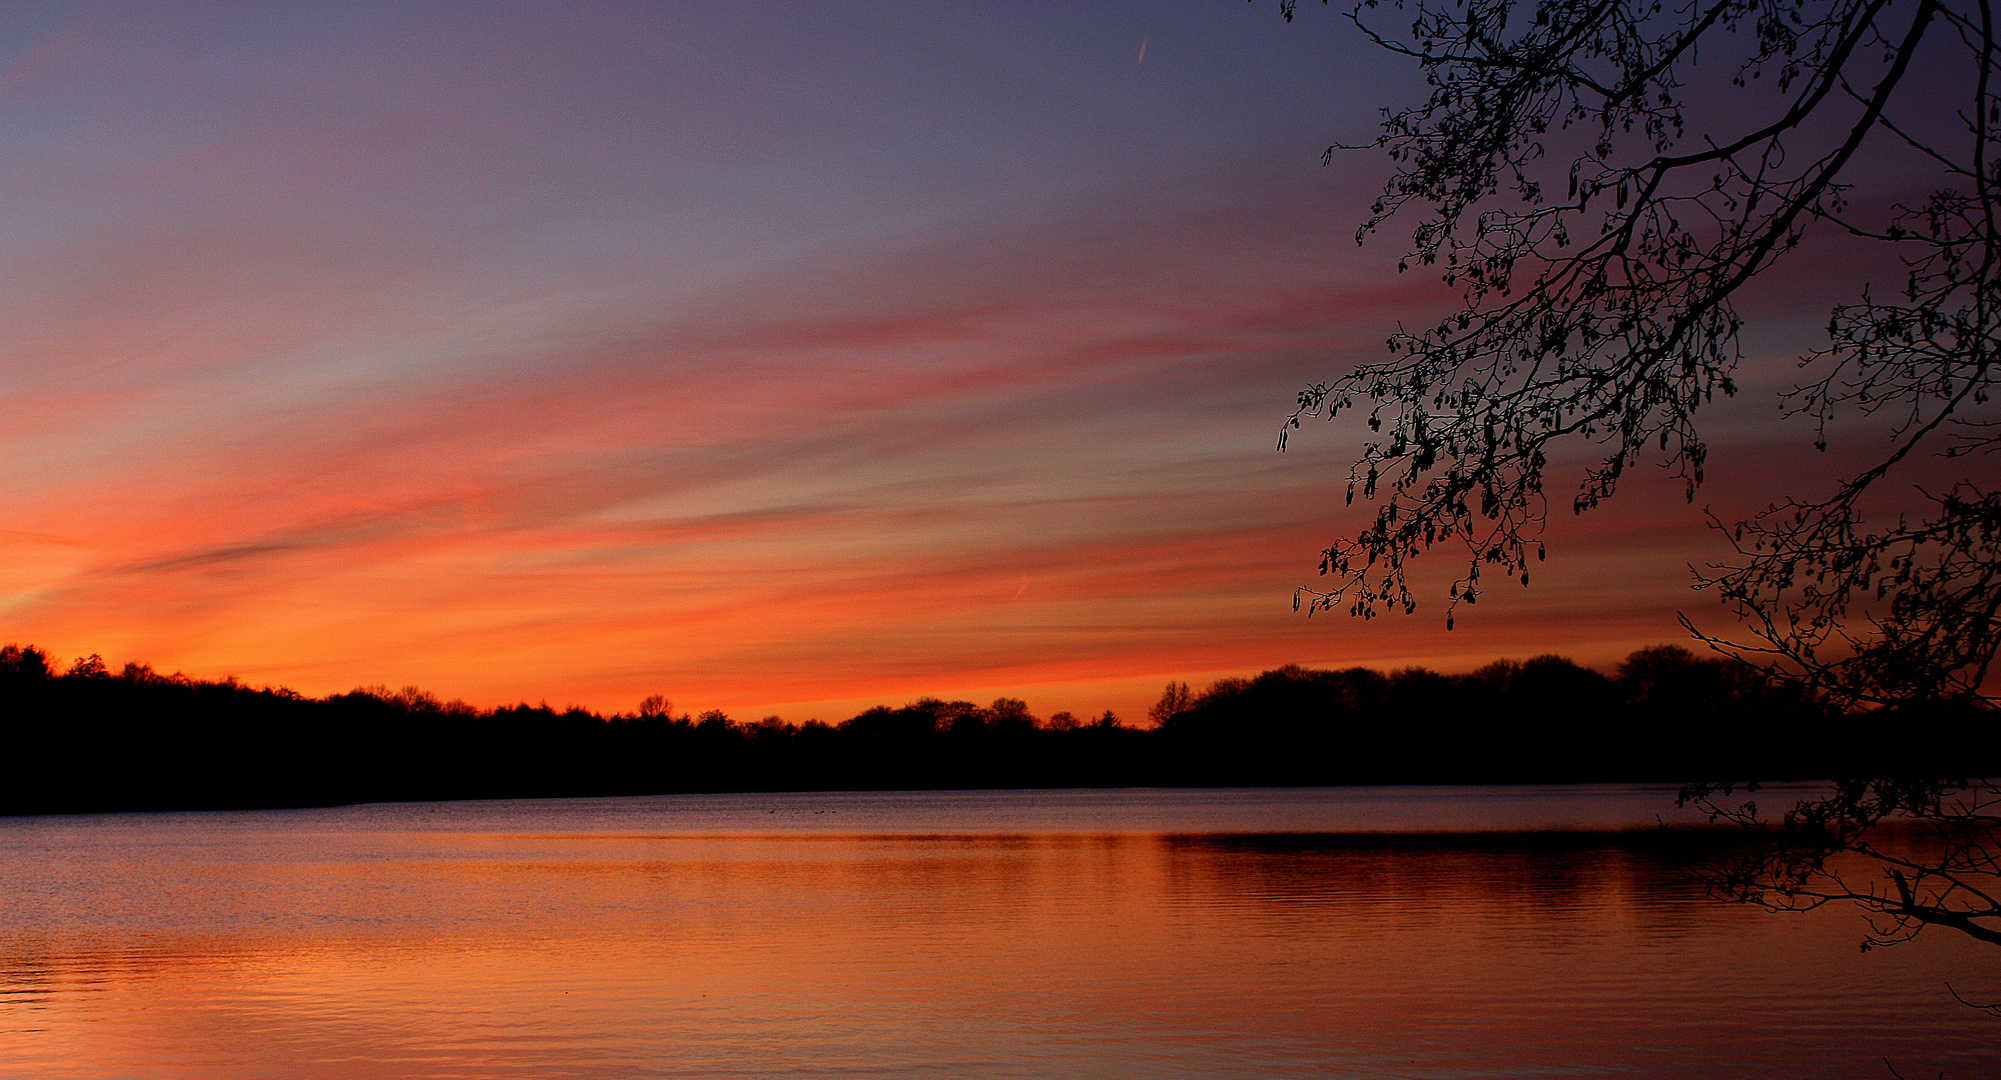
x,y
1600,231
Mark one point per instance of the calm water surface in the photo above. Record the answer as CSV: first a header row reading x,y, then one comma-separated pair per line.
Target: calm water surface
x,y
1313,933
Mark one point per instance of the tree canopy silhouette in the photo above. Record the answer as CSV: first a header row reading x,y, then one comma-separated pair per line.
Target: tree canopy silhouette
x,y
92,738
1604,181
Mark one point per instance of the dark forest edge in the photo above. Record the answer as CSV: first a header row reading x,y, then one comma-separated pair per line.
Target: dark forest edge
x,y
91,739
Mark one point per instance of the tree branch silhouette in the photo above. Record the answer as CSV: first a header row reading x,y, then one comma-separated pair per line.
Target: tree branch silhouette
x,y
1601,180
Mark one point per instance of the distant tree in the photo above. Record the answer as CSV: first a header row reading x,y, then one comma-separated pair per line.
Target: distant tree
x,y
1010,715
88,667
966,720
1672,680
714,721
142,673
1175,699
1604,202
25,662
1548,707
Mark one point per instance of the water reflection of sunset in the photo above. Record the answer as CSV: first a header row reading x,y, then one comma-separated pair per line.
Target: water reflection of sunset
x,y
405,949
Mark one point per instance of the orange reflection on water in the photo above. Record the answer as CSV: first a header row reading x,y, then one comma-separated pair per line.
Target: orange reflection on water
x,y
609,955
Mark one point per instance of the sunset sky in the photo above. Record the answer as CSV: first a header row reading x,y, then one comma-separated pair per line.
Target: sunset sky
x,y
776,358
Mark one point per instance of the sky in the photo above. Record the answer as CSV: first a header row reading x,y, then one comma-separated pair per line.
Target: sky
x,y
779,358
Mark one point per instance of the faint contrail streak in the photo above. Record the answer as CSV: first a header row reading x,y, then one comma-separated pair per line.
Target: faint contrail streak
x,y
1142,48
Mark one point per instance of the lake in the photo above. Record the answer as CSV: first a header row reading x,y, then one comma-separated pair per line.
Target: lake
x,y
1365,932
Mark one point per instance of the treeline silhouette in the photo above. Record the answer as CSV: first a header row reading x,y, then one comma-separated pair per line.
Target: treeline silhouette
x,y
87,738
